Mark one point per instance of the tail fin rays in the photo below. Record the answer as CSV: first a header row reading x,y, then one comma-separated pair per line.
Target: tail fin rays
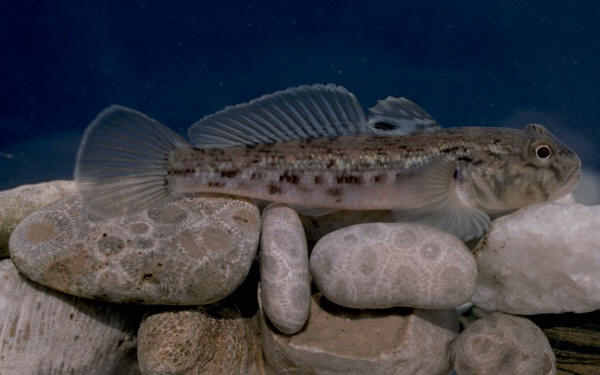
x,y
123,163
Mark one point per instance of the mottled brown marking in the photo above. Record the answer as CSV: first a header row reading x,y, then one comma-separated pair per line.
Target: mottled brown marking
x,y
334,192
349,179
318,180
215,184
380,178
290,178
330,163
229,173
274,189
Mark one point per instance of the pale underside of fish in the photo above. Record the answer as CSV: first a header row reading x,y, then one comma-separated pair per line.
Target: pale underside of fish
x,y
313,147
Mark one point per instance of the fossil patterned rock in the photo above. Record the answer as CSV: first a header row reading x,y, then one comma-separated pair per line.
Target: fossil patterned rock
x,y
194,250
340,341
17,203
211,339
503,344
380,265
284,274
45,332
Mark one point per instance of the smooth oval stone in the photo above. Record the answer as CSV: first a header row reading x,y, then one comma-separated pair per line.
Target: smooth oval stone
x,y
284,274
541,259
337,340
17,203
503,344
379,265
211,339
191,251
41,329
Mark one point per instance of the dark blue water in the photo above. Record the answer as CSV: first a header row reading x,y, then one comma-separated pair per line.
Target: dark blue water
x,y
499,64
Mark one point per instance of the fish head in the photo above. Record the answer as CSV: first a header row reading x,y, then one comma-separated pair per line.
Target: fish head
x,y
538,168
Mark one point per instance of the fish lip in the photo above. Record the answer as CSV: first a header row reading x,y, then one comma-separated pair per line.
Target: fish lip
x,y
570,184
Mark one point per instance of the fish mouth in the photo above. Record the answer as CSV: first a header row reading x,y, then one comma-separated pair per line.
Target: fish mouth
x,y
571,183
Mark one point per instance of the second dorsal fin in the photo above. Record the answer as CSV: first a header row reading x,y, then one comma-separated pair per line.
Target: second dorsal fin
x,y
400,116
296,113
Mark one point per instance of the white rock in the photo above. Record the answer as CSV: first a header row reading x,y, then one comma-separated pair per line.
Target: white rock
x,y
541,259
380,265
212,339
503,344
17,203
284,274
44,330
194,250
340,341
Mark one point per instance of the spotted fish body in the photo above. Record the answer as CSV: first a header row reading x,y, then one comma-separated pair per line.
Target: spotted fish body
x,y
312,147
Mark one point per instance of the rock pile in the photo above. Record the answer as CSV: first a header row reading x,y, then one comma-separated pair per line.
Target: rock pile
x,y
383,299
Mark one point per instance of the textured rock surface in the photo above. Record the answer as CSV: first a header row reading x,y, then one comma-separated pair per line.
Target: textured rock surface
x,y
284,274
45,332
345,341
208,340
397,264
541,259
503,344
17,203
317,227
194,250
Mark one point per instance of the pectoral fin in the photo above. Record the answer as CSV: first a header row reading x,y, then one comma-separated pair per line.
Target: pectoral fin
x,y
440,204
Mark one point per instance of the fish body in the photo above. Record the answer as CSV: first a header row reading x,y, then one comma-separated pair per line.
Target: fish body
x,y
323,153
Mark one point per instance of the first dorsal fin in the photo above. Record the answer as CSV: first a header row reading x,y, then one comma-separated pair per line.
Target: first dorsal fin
x,y
296,113
400,116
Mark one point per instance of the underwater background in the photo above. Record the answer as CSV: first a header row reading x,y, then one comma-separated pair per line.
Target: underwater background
x,y
465,62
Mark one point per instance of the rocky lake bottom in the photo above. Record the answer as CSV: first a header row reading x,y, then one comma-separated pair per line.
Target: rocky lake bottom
x,y
216,285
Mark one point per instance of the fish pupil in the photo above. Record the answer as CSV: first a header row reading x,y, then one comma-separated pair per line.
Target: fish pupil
x,y
543,152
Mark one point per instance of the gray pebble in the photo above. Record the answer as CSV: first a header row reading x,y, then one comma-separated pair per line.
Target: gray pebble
x,y
17,203
503,344
194,250
379,265
284,274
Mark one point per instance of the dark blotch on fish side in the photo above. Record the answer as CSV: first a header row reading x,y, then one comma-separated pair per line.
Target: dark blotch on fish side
x,y
349,179
465,159
380,178
215,184
274,189
330,163
318,180
334,192
289,178
230,173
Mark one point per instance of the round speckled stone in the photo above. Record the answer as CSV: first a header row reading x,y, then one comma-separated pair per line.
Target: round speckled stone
x,y
191,251
208,340
380,265
503,344
284,274
17,203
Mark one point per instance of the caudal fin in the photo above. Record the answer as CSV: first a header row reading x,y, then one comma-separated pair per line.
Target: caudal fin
x,y
123,162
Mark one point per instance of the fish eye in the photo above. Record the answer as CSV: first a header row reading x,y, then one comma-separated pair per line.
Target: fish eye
x,y
543,152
